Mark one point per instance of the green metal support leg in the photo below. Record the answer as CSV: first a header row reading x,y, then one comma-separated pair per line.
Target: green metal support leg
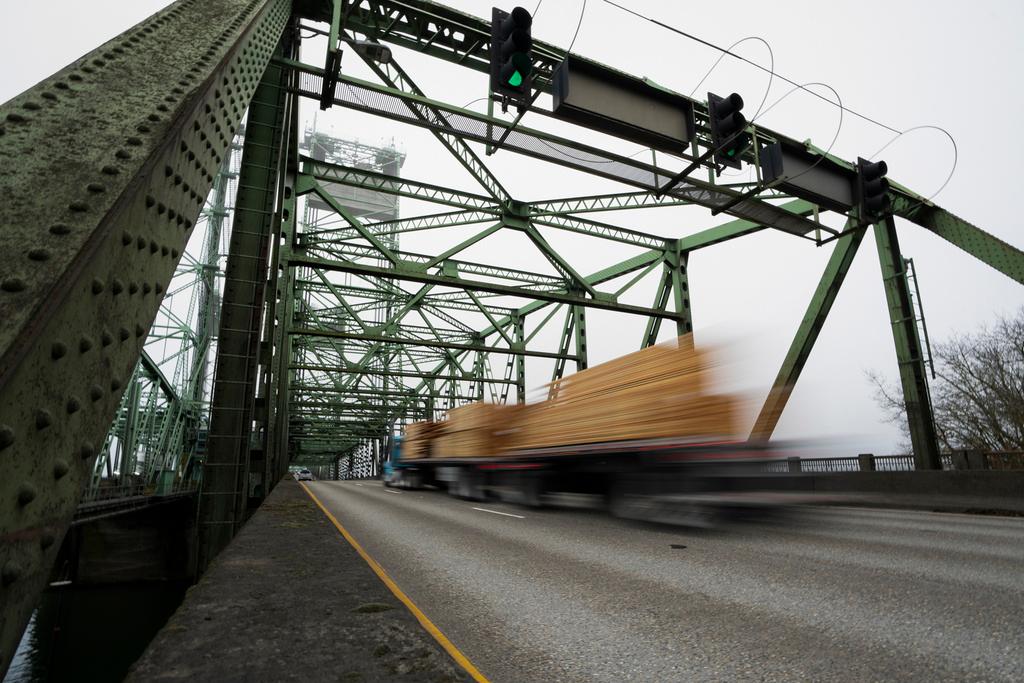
x,y
224,497
813,320
913,374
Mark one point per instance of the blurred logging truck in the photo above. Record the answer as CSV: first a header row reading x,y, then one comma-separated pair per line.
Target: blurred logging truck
x,y
645,434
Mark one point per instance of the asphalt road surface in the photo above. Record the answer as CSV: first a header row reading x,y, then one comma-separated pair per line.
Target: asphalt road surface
x,y
575,595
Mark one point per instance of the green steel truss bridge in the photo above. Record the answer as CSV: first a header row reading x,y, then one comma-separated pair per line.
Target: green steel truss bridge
x,y
194,224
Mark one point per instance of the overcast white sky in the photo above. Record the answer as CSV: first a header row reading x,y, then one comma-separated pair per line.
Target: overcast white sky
x,y
904,63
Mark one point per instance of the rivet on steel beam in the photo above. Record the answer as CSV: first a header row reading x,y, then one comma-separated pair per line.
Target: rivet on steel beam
x,y
6,436
95,392
10,573
43,419
84,344
15,117
153,247
146,288
126,238
134,141
97,285
73,405
87,450
132,288
105,338
59,229
141,242
96,188
139,331
115,384
26,494
159,288
32,106
123,154
60,468
78,206
12,284
58,350
110,170
46,539
116,286
123,333
38,254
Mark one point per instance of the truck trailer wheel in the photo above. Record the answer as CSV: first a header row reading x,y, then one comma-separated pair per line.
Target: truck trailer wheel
x,y
468,485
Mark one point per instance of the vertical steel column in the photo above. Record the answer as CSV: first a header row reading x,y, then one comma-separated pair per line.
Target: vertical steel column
x,y
813,320
519,327
678,262
913,375
226,486
579,324
660,302
280,307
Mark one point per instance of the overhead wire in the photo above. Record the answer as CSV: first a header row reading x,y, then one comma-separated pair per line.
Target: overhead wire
x,y
744,59
798,86
583,11
956,156
771,70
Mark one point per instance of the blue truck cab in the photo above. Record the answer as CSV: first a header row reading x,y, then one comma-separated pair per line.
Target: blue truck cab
x,y
393,461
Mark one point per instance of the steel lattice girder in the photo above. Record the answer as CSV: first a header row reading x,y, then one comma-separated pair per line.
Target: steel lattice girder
x,y
448,34
87,261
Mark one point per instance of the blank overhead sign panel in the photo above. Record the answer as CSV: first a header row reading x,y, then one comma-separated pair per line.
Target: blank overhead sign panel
x,y
808,176
612,102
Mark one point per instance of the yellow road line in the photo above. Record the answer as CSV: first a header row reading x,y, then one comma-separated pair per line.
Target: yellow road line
x,y
416,612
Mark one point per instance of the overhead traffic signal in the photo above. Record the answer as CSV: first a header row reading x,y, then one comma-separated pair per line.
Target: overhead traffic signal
x,y
511,54
873,189
728,128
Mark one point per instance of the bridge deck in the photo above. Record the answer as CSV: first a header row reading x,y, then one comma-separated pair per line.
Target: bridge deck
x,y
289,599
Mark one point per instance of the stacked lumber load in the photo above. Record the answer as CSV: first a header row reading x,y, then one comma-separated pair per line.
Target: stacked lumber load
x,y
475,430
418,439
661,391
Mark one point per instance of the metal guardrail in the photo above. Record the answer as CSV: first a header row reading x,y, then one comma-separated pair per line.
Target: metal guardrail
x,y
104,494
959,460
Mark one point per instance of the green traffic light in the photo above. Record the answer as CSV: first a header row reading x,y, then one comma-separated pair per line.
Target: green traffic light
x,y
516,79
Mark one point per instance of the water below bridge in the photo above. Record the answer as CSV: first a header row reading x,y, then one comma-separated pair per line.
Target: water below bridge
x,y
92,633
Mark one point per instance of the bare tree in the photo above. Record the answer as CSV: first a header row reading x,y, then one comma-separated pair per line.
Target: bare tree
x,y
978,393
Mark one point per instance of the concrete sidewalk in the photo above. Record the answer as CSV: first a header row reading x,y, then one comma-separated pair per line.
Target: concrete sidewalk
x,y
290,599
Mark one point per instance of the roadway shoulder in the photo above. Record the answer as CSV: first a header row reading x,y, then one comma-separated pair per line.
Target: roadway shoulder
x,y
289,599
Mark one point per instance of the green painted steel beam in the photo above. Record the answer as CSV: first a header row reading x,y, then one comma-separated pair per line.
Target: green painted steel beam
x,y
88,260
738,228
602,230
448,219
419,261
603,202
432,343
987,248
402,374
395,76
477,285
909,351
807,334
402,187
228,470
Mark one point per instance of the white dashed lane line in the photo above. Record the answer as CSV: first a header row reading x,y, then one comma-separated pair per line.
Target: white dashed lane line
x,y
495,512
